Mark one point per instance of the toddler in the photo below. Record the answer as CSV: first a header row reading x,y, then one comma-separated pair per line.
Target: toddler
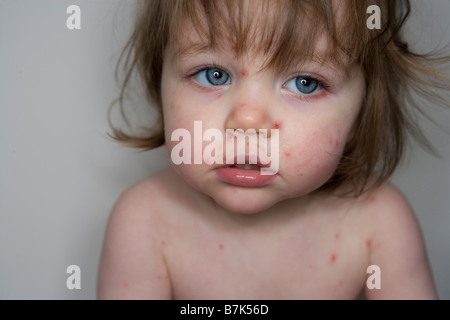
x,y
283,121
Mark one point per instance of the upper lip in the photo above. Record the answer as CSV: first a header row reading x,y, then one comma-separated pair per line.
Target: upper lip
x,y
247,161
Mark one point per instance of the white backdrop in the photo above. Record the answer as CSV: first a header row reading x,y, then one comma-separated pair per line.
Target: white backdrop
x,y
60,175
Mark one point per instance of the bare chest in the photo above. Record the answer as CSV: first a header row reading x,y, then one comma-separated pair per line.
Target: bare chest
x,y
326,263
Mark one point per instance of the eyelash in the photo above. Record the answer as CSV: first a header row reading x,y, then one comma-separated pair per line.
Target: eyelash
x,y
203,68
322,85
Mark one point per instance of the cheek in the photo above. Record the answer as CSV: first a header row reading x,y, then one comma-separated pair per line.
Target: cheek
x,y
180,129
181,153
314,148
335,145
179,113
192,148
182,106
175,122
314,158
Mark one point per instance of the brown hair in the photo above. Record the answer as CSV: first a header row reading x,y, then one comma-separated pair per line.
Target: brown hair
x,y
392,72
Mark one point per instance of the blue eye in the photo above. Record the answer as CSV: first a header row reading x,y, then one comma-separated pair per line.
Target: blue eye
x,y
303,85
212,77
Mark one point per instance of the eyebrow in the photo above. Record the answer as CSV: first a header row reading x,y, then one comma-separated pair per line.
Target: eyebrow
x,y
186,51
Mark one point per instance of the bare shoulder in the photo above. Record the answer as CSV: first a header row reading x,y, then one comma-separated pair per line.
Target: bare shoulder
x,y
150,190
389,214
140,204
385,205
132,265
396,245
157,197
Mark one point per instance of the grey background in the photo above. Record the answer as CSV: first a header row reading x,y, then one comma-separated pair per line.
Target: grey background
x,y
60,175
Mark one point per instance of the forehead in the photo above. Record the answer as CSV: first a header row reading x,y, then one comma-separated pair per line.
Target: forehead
x,y
280,31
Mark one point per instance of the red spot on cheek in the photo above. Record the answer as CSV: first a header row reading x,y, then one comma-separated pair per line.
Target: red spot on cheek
x,y
219,95
333,257
337,236
244,72
221,246
337,142
163,243
368,243
287,154
277,125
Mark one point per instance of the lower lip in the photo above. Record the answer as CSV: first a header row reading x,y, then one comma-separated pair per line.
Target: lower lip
x,y
243,177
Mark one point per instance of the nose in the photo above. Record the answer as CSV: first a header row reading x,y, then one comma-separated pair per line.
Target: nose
x,y
249,110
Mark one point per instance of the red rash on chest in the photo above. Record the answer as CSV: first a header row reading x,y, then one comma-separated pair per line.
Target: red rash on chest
x,y
333,257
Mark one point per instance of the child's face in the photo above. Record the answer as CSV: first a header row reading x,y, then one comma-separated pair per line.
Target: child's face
x,y
313,106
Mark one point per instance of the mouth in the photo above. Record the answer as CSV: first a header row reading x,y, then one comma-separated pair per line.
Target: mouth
x,y
246,166
245,175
